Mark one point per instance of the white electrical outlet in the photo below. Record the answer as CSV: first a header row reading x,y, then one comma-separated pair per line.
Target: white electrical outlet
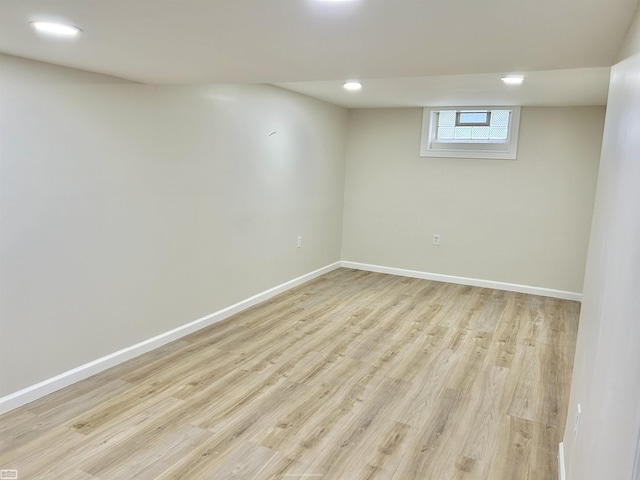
x,y
436,239
300,242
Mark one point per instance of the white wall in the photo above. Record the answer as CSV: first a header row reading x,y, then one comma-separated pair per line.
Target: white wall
x,y
523,222
18,70
606,374
128,210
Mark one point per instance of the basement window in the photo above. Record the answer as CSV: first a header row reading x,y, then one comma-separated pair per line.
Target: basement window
x,y
470,132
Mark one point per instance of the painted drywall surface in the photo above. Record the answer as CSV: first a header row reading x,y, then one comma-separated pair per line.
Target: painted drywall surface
x,y
129,210
606,374
18,70
523,221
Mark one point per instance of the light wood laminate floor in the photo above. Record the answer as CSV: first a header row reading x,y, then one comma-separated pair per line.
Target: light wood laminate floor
x,y
354,375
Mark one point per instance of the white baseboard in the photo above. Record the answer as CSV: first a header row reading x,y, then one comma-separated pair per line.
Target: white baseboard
x,y
474,282
561,473
29,394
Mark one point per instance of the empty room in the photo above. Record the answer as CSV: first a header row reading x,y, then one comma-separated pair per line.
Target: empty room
x,y
320,239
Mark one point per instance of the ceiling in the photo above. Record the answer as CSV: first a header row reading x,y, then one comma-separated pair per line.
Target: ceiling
x,y
405,52
578,86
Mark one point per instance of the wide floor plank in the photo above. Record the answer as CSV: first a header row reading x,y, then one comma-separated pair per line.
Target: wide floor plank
x,y
354,375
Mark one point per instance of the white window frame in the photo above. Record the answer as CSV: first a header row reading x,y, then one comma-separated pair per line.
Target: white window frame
x,y
491,149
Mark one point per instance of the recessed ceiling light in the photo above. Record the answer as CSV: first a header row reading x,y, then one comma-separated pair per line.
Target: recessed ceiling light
x,y
352,85
513,80
56,28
